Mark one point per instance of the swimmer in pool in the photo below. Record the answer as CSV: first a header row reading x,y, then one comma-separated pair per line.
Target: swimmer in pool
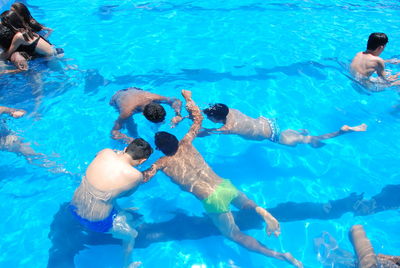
x,y
186,167
368,62
235,122
134,100
111,175
331,255
9,141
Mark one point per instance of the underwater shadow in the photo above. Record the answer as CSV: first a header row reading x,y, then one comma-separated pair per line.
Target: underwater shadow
x,y
232,166
68,236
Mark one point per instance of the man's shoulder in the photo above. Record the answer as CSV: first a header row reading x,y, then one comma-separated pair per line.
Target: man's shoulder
x,y
106,151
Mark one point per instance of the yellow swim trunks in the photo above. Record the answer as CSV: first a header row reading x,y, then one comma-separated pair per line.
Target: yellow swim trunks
x,y
221,198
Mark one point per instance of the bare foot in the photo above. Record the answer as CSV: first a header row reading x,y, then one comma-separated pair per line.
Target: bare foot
x,y
346,128
289,258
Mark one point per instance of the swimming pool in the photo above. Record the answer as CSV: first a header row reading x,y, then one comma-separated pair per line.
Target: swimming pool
x,y
277,59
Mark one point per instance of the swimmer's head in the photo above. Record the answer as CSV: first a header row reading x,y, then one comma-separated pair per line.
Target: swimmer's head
x,y
166,143
154,112
217,112
23,11
377,40
139,149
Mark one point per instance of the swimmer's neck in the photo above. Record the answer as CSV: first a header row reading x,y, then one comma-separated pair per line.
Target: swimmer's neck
x,y
375,53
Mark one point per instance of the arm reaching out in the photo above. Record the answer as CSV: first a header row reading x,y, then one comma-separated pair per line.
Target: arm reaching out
x,y
196,115
49,31
116,134
17,40
151,172
176,104
16,113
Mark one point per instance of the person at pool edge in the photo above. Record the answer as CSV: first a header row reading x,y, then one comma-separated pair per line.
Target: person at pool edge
x,y
187,168
135,100
263,128
111,175
368,62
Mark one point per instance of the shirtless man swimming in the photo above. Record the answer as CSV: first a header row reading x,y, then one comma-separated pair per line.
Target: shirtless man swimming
x,y
111,175
187,168
263,128
135,100
368,62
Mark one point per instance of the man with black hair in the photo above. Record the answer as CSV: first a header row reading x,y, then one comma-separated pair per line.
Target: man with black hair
x,y
187,168
135,100
367,63
110,175
235,122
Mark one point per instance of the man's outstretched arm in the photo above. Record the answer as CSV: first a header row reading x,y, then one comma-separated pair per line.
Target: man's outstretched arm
x,y
116,133
195,114
16,113
152,171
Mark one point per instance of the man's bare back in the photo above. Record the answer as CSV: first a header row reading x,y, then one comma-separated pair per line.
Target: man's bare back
x,y
133,100
261,128
107,172
187,168
365,64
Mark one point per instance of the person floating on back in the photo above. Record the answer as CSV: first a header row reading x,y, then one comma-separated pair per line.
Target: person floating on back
x,y
186,167
134,100
263,128
367,63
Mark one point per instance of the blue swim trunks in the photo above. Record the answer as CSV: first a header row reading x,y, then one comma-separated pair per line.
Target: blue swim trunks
x,y
102,226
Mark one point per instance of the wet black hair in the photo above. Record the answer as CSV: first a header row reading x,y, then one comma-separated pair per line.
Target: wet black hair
x,y
154,112
218,111
15,23
139,149
23,11
166,143
377,39
6,36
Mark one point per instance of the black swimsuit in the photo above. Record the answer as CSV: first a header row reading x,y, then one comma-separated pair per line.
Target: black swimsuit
x,y
30,49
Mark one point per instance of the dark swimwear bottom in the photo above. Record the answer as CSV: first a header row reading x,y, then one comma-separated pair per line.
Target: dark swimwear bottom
x,y
59,51
102,226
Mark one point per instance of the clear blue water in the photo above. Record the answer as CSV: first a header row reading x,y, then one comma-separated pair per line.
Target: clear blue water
x,y
281,59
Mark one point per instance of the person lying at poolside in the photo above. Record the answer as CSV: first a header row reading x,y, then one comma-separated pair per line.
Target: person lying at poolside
x,y
26,40
134,100
367,63
235,122
187,168
111,175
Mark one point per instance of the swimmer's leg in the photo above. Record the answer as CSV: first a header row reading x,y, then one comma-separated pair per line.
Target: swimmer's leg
x,y
243,202
227,226
123,229
292,138
14,144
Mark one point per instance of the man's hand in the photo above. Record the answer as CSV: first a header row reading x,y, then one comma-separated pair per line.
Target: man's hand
x,y
273,227
187,94
17,113
176,120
